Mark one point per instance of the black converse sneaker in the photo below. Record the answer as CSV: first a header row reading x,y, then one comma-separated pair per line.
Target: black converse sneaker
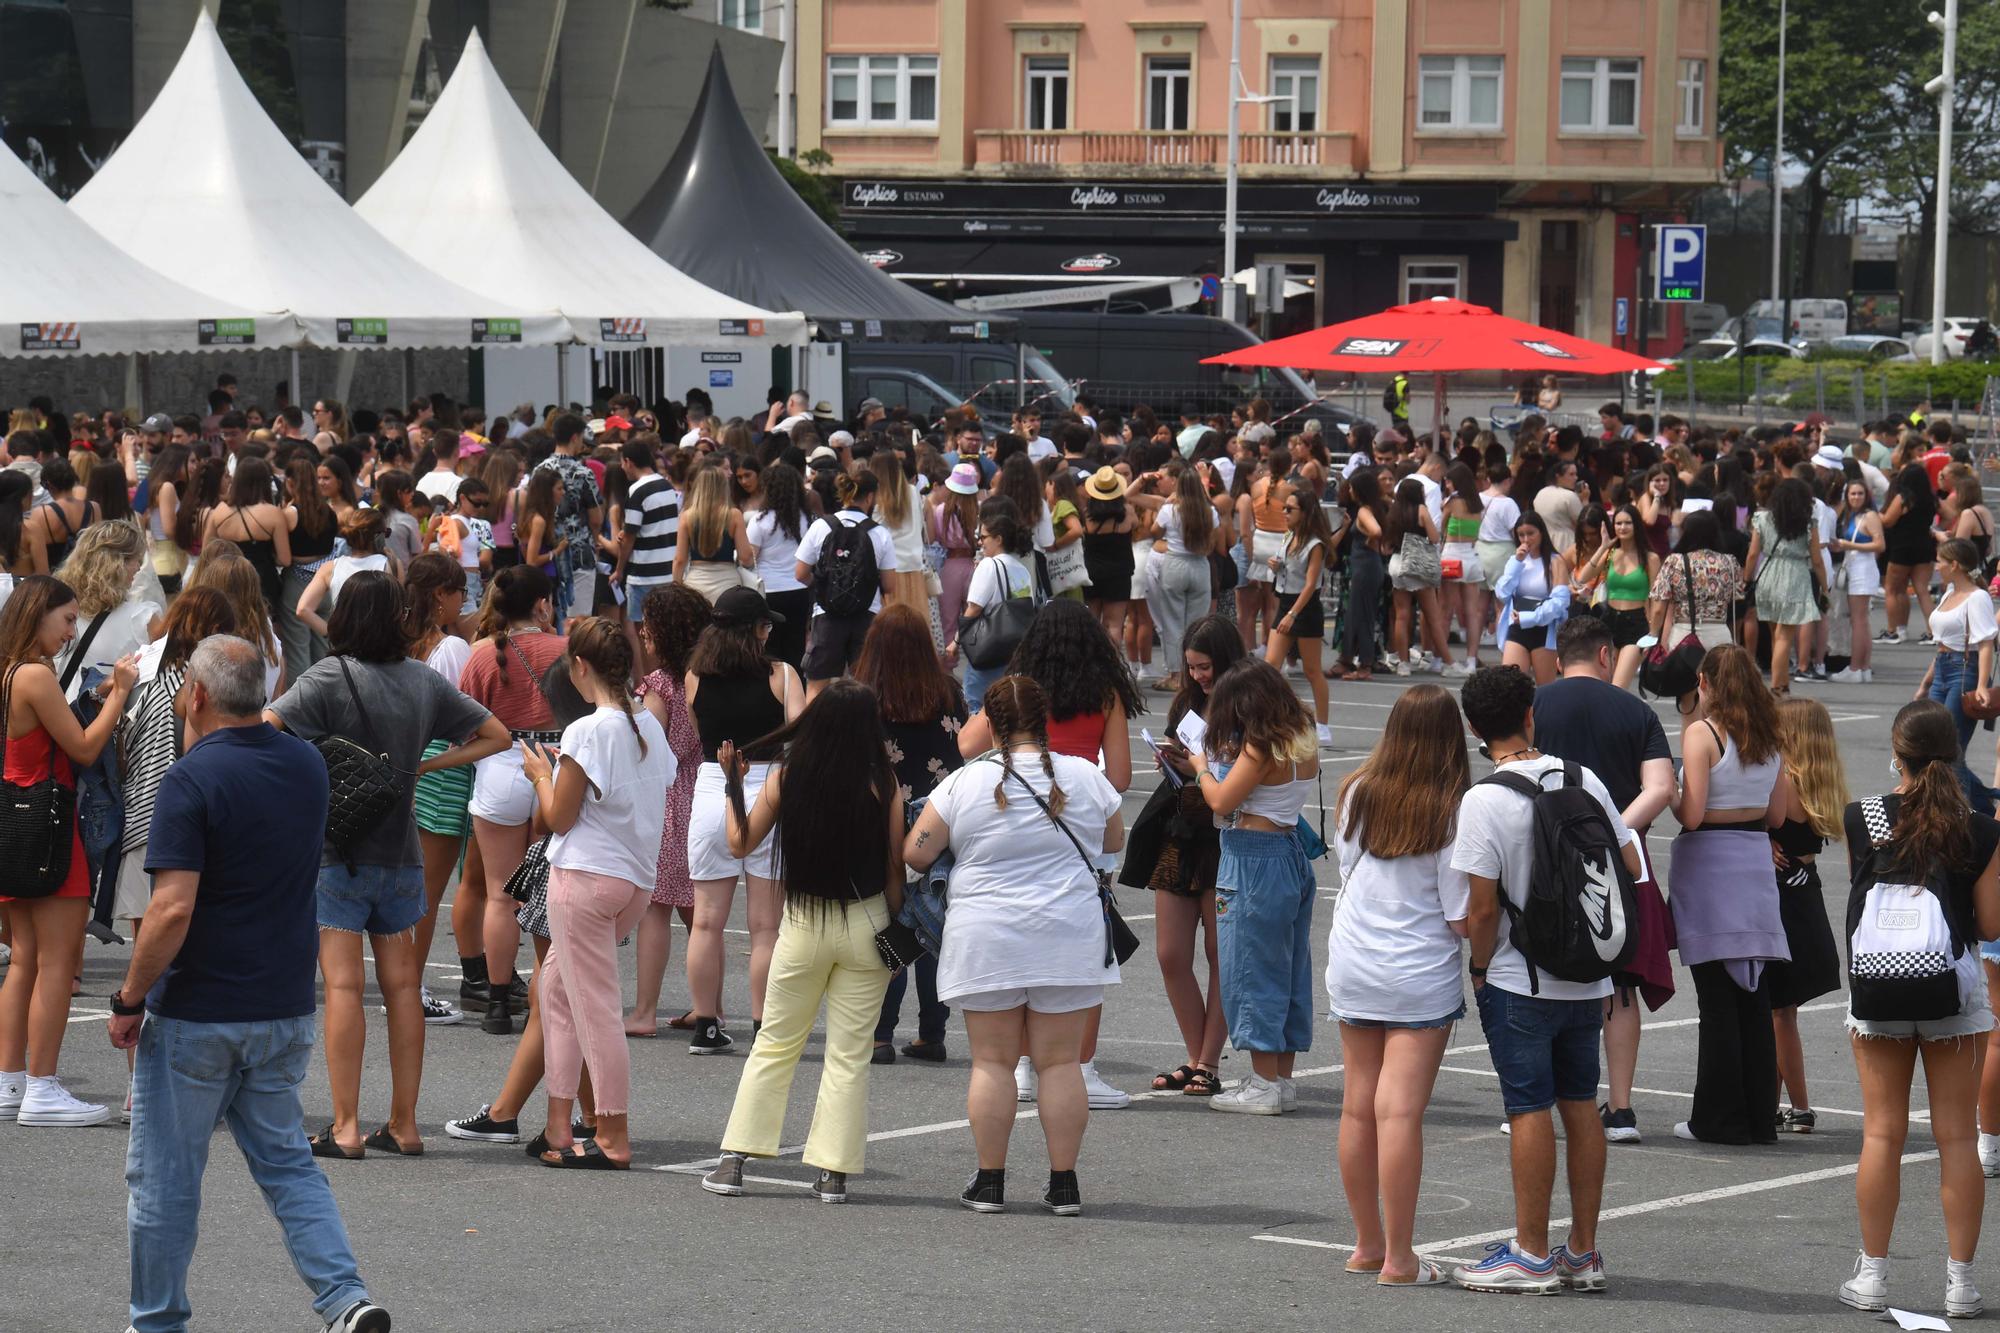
x,y
1063,1198
483,1128
726,1177
709,1038
986,1192
831,1187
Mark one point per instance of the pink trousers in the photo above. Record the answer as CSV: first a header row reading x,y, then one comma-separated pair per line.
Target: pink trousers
x,y
583,1018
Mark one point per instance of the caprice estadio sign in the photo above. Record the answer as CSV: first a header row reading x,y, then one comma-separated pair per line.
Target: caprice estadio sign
x,y
1347,199
998,198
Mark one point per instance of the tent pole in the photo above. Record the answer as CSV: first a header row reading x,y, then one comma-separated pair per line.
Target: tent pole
x,y
132,398
562,378
296,395
1020,375
1437,413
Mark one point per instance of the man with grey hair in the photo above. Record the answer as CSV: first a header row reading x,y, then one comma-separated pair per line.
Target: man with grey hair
x,y
219,996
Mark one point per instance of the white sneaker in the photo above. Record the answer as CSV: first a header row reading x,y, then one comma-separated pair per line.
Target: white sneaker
x,y
6,955
1961,1298
1253,1096
1868,1289
13,1087
1989,1145
1288,1095
50,1105
1024,1081
1402,668
1435,666
1325,734
1102,1096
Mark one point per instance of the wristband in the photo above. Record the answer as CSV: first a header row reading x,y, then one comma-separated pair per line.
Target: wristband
x,y
1478,973
122,1009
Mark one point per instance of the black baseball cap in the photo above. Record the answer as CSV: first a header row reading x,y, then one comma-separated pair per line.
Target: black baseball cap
x,y
743,606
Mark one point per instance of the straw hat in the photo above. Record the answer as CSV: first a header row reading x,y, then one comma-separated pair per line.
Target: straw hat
x,y
1105,484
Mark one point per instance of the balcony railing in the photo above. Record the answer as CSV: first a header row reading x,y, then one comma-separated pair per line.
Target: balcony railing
x,y
1258,152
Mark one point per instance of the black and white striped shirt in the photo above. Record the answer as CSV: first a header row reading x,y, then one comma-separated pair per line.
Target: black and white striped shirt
x,y
652,516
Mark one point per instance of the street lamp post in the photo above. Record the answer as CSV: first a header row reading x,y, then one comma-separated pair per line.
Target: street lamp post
x,y
1778,188
1941,86
1239,95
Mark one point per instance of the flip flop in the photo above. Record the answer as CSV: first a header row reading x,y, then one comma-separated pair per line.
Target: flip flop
x,y
1428,1274
585,1155
383,1141
324,1145
685,1023
1365,1265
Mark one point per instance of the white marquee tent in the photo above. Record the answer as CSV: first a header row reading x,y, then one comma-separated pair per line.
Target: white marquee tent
x,y
208,191
68,291
478,197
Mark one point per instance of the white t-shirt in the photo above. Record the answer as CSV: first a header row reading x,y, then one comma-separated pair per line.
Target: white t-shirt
x,y
1493,843
1024,908
123,631
878,537
1499,519
441,484
1965,626
986,588
617,832
345,568
1877,482
1391,956
1433,498
449,657
1041,447
777,552
1169,519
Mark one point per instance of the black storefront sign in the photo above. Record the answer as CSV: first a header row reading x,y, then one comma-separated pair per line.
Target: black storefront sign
x,y
1077,199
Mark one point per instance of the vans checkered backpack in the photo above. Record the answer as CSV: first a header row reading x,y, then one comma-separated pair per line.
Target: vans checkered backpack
x,y
1902,944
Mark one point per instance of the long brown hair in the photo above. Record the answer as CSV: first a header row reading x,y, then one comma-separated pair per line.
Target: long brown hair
x,y
1403,799
236,578
1740,703
894,494
1014,705
1251,705
21,619
900,663
195,614
428,575
1197,511
602,646
315,515
1934,821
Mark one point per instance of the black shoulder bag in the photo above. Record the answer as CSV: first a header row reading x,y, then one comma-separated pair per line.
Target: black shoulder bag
x,y
36,821
1119,941
363,787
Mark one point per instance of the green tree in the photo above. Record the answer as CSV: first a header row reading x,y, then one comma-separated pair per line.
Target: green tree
x,y
819,192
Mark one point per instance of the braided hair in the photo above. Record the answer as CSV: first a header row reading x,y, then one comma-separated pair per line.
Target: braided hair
x,y
517,590
602,645
1017,705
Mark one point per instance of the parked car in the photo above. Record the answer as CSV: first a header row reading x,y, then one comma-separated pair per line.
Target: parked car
x,y
1957,328
1873,346
982,373
1814,318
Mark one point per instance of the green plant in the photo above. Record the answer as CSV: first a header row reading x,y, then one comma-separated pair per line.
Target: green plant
x,y
817,159
819,192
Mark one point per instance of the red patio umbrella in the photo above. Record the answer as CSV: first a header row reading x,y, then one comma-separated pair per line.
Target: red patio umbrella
x,y
1438,337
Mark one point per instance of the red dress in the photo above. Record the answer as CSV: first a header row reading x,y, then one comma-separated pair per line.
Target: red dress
x,y
27,764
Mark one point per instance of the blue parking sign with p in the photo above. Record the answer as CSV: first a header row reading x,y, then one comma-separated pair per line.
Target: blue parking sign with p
x,y
1681,262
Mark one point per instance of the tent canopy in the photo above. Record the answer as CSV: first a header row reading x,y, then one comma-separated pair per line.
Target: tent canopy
x,y
208,191
721,213
68,291
477,197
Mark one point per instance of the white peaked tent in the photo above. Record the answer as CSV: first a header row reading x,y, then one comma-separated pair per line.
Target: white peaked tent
x,y
477,196
68,291
208,191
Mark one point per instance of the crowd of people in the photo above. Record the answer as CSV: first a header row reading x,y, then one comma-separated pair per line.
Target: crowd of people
x,y
596,671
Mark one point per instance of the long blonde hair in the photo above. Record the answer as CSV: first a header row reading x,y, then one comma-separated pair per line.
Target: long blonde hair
x,y
235,578
893,490
1812,762
705,519
1403,799
96,565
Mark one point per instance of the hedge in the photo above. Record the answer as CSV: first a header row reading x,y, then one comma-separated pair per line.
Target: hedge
x,y
1785,379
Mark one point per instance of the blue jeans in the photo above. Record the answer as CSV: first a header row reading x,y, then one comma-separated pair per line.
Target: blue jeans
x,y
1951,675
185,1077
1264,896
977,681
931,1014
1544,1051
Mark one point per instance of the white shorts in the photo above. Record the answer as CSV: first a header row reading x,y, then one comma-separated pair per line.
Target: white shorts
x,y
1263,546
1041,999
134,890
708,828
1864,578
500,791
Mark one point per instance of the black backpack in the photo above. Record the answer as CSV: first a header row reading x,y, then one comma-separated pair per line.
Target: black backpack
x,y
845,577
1389,398
1580,921
1904,942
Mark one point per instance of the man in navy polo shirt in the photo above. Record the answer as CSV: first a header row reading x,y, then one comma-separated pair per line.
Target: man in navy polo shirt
x,y
219,997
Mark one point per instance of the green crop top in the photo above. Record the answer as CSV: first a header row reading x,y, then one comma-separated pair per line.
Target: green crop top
x,y
1461,529
1633,587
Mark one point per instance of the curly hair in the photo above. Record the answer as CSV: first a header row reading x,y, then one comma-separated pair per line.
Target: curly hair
x,y
1496,701
675,615
1068,653
96,565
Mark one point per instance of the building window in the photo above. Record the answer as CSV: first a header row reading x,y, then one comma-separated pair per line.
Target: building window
x,y
1431,276
886,91
1600,95
745,14
1169,82
1459,92
1694,97
1295,81
1047,93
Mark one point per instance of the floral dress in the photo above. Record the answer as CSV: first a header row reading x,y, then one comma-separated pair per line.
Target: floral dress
x,y
673,886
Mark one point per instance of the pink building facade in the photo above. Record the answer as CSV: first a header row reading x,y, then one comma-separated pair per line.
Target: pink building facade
x,y
1503,151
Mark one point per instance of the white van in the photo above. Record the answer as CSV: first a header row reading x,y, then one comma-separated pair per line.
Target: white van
x,y
1816,319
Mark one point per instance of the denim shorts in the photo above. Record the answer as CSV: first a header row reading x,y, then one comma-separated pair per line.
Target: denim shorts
x,y
1426,1025
1544,1051
375,900
1263,911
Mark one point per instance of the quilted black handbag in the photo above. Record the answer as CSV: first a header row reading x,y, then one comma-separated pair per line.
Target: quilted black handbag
x,y
990,638
363,787
36,821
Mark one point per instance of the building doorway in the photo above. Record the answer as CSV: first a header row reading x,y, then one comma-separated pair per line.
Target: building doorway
x,y
1559,267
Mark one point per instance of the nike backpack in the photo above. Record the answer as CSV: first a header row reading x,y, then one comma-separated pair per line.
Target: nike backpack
x,y
1903,949
845,577
1580,919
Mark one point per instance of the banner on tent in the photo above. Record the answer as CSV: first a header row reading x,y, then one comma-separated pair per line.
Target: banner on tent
x,y
740,328
225,332
55,337
361,332
621,330
496,330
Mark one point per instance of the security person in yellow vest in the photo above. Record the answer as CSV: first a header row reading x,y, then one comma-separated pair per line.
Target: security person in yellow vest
x,y
1396,401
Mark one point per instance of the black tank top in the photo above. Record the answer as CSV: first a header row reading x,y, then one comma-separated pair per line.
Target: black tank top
x,y
59,551
739,709
1795,837
307,547
261,552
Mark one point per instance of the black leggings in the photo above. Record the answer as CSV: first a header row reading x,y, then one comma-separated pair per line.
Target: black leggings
x,y
1365,574
1736,1060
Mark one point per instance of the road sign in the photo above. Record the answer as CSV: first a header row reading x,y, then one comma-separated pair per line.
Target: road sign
x,y
1211,286
1682,262
1622,321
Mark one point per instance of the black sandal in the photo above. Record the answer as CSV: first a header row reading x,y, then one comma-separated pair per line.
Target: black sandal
x,y
323,1144
1175,1080
1205,1083
383,1141
584,1155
